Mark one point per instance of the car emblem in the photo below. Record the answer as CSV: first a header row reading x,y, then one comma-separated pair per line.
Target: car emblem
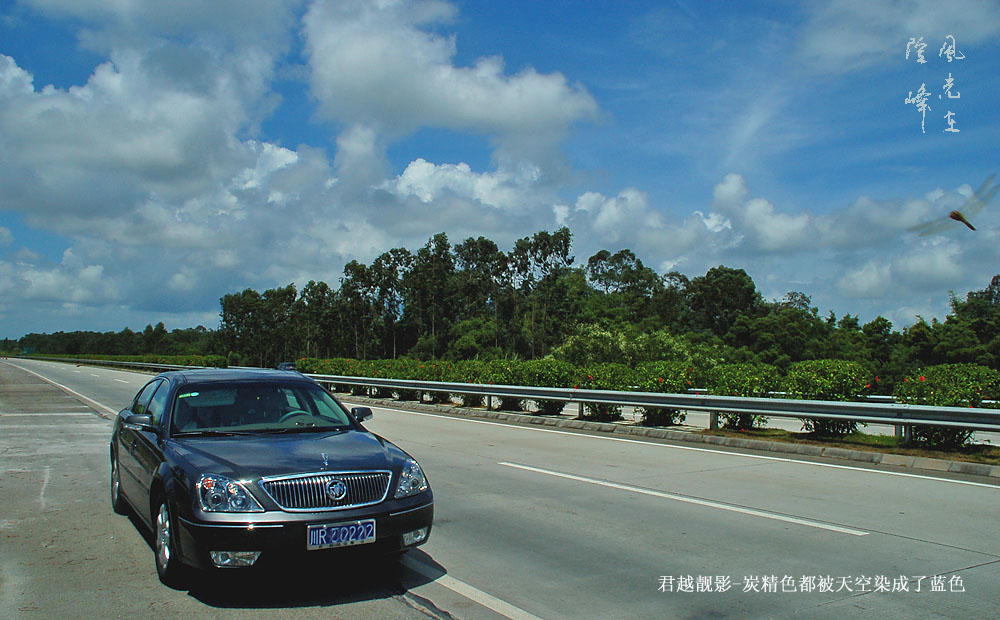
x,y
326,459
336,490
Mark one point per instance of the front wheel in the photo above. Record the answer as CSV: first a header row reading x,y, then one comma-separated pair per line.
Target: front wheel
x,y
168,563
117,501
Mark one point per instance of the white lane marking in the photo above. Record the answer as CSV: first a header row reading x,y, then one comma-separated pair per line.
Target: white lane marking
x,y
62,387
693,500
693,449
122,381
47,413
45,483
100,426
470,592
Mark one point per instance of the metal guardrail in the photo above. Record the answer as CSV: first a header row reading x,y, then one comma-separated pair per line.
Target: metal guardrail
x,y
897,414
868,412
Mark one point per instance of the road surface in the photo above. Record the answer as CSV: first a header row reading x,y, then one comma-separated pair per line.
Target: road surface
x,y
529,523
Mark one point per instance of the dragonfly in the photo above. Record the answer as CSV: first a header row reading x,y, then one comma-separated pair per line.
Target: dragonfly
x,y
970,208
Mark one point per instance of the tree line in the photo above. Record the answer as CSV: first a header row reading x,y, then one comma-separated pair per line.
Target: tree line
x,y
474,300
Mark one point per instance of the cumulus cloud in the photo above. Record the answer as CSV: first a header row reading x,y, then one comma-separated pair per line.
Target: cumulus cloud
x,y
112,142
764,227
870,280
383,66
500,189
69,282
862,251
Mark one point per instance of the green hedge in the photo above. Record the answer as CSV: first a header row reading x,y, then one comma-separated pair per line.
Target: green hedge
x,y
549,373
666,378
617,377
505,372
831,380
746,380
949,385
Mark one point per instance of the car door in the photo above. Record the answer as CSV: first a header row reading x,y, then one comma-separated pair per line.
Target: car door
x,y
129,469
147,451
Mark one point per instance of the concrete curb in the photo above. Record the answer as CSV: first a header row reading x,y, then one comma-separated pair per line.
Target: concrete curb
x,y
864,456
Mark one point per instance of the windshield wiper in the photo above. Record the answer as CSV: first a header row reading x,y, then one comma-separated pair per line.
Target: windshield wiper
x,y
213,433
304,429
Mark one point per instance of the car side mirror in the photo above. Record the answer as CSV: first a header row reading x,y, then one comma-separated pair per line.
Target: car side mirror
x,y
140,422
362,413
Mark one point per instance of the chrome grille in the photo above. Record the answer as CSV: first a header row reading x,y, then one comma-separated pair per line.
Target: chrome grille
x,y
308,492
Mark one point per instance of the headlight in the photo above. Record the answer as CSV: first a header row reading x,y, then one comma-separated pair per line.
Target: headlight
x,y
220,494
411,480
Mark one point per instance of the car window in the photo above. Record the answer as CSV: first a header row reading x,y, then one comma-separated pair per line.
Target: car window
x,y
158,403
143,397
290,399
256,407
326,406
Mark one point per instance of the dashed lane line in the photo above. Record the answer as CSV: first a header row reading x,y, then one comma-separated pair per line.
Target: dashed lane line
x,y
693,500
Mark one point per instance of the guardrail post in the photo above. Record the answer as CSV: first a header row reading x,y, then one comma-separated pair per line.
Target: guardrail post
x,y
580,414
489,402
713,421
904,431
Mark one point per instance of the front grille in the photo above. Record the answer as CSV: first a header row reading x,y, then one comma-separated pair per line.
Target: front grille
x,y
308,492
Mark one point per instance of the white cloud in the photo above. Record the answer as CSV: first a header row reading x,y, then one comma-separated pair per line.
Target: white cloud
x,y
731,192
13,79
125,135
763,227
6,238
381,65
271,158
871,280
86,285
183,281
619,217
929,266
361,161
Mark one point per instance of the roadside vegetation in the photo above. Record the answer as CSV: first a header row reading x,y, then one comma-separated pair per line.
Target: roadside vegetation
x,y
533,315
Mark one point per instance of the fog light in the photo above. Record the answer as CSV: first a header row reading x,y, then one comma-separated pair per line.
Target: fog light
x,y
414,537
234,559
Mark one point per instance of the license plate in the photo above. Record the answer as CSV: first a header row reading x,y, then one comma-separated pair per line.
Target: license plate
x,y
330,535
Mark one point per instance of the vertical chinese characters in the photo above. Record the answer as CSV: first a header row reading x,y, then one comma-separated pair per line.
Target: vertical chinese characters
x,y
950,52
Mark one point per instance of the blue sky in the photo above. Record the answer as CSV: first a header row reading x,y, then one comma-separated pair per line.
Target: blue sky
x,y
156,156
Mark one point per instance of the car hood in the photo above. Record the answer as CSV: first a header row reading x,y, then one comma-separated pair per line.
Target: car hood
x,y
276,455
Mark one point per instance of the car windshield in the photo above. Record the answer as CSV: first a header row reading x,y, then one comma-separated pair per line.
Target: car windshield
x,y
246,408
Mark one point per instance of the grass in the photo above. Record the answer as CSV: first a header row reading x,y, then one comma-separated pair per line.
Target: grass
x,y
974,453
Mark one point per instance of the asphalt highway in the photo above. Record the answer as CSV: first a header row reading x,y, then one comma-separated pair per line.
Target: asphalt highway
x,y
530,522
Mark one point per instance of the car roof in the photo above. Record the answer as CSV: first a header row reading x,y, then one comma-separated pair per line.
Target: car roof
x,y
225,375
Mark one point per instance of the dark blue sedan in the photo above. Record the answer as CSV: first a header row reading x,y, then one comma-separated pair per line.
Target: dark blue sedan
x,y
237,468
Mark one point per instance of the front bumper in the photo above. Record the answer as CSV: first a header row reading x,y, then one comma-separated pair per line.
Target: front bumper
x,y
281,536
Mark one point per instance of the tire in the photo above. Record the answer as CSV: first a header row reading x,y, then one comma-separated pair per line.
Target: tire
x,y
168,562
117,501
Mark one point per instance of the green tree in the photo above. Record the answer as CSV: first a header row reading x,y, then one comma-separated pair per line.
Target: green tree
x,y
428,295
314,311
719,298
356,302
242,326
